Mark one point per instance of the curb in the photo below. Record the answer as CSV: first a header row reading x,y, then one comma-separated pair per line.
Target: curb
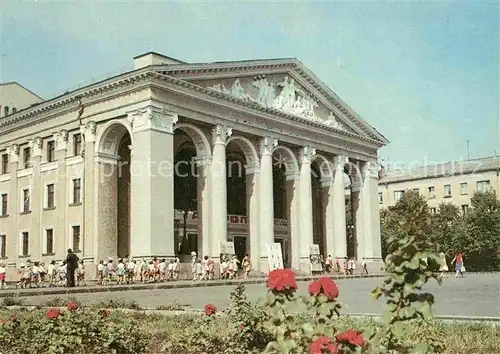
x,y
157,286
448,318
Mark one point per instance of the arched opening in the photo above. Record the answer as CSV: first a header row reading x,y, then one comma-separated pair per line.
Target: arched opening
x,y
123,197
185,194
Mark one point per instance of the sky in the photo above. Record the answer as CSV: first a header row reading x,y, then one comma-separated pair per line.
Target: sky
x,y
425,74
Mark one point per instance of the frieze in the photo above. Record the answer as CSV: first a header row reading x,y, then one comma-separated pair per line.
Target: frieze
x,y
267,145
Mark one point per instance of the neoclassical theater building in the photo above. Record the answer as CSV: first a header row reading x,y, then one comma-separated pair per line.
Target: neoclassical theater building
x,y
174,157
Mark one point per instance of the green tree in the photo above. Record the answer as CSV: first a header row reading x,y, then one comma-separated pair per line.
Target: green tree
x,y
481,246
411,206
449,230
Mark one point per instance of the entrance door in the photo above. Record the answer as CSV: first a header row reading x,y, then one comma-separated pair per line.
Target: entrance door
x,y
240,246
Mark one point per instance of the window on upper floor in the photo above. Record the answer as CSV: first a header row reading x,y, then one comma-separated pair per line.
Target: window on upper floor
x,y
463,188
25,243
14,110
49,241
51,151
76,238
398,195
26,201
50,196
416,190
465,209
483,186
380,198
447,190
5,201
6,111
3,246
77,189
5,163
432,210
27,157
431,192
77,144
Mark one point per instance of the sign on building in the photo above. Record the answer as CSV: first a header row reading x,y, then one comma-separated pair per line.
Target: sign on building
x,y
315,258
274,256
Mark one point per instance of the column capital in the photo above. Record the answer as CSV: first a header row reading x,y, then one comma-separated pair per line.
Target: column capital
x,y
35,145
152,118
61,138
220,133
13,152
88,131
371,169
340,161
267,145
307,154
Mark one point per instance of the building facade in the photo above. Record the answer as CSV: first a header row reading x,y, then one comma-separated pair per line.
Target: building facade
x,y
15,97
174,157
452,182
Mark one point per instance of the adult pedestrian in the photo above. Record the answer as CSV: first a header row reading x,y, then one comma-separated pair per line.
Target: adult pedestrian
x,y
71,266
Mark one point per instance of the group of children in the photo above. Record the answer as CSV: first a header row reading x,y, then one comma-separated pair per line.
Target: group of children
x,y
205,269
348,267
128,272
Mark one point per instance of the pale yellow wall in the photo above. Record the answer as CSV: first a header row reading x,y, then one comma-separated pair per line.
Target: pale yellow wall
x,y
15,96
457,198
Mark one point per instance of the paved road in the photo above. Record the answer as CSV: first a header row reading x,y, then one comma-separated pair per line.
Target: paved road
x,y
474,295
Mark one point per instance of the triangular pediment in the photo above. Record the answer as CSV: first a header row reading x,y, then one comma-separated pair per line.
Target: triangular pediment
x,y
285,85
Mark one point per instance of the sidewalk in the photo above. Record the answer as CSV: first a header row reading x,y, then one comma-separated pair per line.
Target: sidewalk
x,y
93,288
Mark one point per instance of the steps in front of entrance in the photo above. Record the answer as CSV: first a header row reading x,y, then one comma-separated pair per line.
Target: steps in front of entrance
x,y
93,288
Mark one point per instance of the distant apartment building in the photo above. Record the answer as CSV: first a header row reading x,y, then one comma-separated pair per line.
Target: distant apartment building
x,y
452,182
15,97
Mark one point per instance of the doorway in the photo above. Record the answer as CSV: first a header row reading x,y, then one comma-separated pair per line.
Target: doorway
x,y
240,246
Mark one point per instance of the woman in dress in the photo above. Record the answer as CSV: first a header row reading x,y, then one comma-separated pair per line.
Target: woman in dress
x,y
246,265
459,264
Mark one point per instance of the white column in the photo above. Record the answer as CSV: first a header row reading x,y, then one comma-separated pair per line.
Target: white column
x,y
339,226
204,180
220,133
36,199
152,183
305,207
266,200
371,212
292,195
358,206
252,189
328,189
88,132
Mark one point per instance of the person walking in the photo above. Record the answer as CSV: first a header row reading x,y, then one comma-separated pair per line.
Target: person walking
x,y
364,266
71,266
459,264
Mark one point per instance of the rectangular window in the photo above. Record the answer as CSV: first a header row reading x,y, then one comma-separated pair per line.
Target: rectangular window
x,y
27,157
398,195
77,144
5,201
483,186
447,190
76,238
416,190
380,198
5,163
25,244
463,188
49,241
26,200
3,246
432,192
50,196
51,151
77,188
433,210
465,208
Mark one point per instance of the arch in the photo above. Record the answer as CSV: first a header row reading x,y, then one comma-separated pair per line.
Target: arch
x,y
251,156
289,160
325,167
199,138
111,135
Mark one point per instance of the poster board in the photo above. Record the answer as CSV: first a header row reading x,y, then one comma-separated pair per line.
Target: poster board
x,y
274,256
226,250
315,258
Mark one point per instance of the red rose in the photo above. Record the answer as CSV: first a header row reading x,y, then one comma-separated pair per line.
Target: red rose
x,y
3,322
242,326
323,343
104,313
281,279
351,337
210,309
52,314
73,306
326,286
330,289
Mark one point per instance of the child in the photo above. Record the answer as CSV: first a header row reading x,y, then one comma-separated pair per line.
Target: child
x,y
51,273
163,270
120,271
193,264
247,266
224,269
80,275
111,270
2,276
104,273
177,268
211,268
170,270
100,271
206,270
62,274
130,272
35,274
199,270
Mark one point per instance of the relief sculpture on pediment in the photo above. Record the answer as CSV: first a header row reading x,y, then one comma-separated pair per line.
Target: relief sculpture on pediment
x,y
283,95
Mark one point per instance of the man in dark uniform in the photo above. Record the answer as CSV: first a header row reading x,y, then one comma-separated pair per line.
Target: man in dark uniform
x,y
71,266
